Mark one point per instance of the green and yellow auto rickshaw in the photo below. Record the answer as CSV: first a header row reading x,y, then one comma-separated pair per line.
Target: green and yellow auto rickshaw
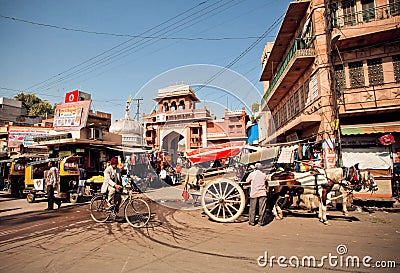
x,y
35,178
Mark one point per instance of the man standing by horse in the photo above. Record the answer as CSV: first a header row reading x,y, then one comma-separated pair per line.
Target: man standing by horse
x,y
258,196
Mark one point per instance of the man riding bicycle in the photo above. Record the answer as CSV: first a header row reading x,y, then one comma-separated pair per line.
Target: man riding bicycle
x,y
112,184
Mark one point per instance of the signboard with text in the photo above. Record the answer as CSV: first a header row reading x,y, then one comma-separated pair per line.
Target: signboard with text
x,y
21,135
72,115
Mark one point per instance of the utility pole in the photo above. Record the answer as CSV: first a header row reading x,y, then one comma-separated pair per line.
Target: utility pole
x,y
330,42
137,109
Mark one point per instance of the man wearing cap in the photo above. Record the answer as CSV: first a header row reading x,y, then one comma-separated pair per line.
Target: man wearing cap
x,y
258,195
112,183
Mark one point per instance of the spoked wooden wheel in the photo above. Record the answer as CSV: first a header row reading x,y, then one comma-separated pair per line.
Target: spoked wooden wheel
x,y
223,200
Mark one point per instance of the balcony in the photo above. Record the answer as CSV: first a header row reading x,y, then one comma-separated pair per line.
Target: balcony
x,y
367,15
300,56
367,27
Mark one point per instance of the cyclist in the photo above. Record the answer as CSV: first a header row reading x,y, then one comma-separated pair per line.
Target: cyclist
x,y
112,184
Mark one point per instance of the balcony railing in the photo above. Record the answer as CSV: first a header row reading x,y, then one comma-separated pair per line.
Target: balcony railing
x,y
367,15
301,47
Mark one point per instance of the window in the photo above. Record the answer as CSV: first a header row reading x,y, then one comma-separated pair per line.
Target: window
x,y
375,71
284,113
356,73
340,77
302,98
396,68
181,105
368,10
394,7
314,86
349,12
296,102
275,118
307,91
291,107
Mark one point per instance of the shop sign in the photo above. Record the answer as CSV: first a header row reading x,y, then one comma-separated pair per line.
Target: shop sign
x,y
20,135
329,151
71,116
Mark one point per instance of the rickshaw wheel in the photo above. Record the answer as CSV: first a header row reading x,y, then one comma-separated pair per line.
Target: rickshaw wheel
x,y
73,198
30,198
223,200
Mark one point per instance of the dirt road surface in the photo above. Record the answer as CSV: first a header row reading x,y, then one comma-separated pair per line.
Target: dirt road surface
x,y
68,240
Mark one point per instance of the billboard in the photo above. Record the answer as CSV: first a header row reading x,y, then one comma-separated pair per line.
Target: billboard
x,y
72,115
71,96
20,135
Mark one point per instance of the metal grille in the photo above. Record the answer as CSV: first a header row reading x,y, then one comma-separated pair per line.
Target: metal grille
x,y
340,77
356,74
396,68
375,71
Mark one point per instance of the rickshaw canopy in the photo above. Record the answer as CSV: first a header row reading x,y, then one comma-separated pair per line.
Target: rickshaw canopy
x,y
215,152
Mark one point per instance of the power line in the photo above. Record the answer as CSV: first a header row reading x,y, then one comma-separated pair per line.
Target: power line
x,y
128,35
241,55
133,46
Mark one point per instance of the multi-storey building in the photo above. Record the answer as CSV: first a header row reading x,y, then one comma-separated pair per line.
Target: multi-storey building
x,y
332,77
177,126
332,74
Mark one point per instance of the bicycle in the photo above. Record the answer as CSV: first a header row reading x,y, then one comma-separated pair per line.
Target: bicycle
x,y
136,210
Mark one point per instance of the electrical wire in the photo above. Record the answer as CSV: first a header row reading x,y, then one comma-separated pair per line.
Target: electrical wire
x,y
137,44
127,35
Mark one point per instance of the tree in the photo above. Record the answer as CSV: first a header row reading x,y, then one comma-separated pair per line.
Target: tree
x,y
255,107
34,105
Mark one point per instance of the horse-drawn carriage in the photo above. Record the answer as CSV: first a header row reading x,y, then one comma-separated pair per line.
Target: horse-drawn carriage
x,y
224,198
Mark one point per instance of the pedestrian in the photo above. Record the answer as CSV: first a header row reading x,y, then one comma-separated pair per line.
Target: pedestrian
x,y
193,177
178,173
82,181
52,180
258,195
112,184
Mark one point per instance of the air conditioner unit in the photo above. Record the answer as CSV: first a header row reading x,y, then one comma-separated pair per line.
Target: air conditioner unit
x,y
95,133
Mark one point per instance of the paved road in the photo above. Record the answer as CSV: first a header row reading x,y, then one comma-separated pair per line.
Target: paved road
x,y
32,240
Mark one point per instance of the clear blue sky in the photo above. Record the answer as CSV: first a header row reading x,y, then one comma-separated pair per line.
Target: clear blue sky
x,y
50,61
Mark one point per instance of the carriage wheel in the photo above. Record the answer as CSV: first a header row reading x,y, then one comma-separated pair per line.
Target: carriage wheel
x,y
223,200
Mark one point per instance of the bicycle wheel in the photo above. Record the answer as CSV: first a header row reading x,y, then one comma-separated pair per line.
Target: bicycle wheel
x,y
98,209
137,212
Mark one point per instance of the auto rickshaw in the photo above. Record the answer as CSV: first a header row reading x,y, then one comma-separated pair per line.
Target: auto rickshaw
x,y
35,178
13,172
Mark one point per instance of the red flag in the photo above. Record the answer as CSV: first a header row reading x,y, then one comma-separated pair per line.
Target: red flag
x,y
71,96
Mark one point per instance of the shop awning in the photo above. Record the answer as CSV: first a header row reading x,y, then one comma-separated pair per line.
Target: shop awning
x,y
264,154
360,129
368,158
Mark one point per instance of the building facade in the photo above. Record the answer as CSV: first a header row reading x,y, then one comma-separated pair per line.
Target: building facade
x,y
333,64
177,126
333,76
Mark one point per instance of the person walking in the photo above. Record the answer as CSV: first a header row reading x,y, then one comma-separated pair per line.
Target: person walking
x,y
112,184
82,181
52,180
258,196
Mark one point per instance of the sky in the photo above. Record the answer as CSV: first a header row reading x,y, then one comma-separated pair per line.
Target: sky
x,y
116,49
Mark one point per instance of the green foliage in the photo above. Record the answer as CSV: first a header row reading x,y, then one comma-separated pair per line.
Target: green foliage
x,y
34,105
254,107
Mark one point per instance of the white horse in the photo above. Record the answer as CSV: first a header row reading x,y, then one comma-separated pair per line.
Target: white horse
x,y
318,182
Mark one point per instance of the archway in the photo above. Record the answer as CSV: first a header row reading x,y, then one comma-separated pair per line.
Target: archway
x,y
170,145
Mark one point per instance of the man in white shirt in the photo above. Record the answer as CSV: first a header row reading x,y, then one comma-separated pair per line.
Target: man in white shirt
x,y
258,196
112,183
